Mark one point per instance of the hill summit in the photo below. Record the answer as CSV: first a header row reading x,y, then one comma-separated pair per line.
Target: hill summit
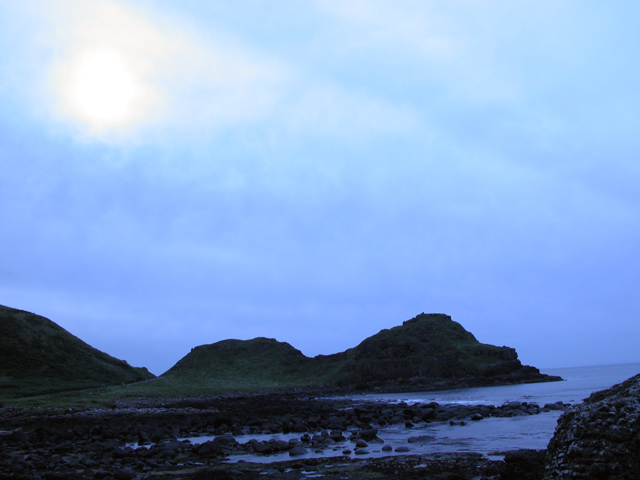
x,y
38,356
428,351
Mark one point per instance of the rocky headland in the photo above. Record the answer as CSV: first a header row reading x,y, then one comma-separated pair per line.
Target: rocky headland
x,y
427,352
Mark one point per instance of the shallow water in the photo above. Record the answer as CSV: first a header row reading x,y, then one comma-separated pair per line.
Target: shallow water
x,y
485,436
488,436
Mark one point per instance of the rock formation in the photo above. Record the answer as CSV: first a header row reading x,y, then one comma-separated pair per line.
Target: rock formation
x,y
599,438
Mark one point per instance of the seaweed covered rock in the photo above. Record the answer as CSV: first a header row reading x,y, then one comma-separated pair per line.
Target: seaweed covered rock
x,y
599,438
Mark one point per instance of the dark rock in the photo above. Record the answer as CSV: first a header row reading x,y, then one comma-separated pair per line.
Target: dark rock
x,y
523,465
18,437
369,433
226,440
210,448
158,435
599,438
262,447
299,450
124,474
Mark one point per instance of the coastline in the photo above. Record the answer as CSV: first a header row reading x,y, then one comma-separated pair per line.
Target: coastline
x,y
135,439
116,442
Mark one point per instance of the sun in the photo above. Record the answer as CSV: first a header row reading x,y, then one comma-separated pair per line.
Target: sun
x,y
104,88
100,90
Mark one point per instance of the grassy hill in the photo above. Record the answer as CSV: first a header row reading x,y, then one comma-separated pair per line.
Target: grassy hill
x,y
428,351
245,364
37,357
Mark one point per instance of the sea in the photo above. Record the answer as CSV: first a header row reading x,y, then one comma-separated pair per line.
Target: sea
x,y
490,436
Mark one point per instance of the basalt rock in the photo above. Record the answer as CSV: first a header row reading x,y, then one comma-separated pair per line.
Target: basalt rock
x,y
599,438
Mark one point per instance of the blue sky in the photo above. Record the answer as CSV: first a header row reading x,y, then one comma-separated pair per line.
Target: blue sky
x,y
179,173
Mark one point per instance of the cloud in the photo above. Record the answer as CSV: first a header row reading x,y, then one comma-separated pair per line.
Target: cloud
x,y
327,110
466,49
178,77
183,83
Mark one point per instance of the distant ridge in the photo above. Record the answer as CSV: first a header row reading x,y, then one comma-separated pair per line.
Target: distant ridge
x,y
38,356
428,351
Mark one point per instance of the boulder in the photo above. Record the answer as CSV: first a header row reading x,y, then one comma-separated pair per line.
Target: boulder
x,y
369,433
210,448
599,438
295,451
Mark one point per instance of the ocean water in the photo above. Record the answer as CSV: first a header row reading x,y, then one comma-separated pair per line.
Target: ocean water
x,y
580,382
489,436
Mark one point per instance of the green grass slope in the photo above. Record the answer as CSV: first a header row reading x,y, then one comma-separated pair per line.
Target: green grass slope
x,y
38,357
243,365
428,351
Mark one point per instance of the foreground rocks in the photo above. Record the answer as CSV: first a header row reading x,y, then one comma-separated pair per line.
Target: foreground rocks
x,y
599,438
139,439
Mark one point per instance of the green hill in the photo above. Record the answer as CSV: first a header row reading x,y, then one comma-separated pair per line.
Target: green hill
x,y
428,351
37,356
260,362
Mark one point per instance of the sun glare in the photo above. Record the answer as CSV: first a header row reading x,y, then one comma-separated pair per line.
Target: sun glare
x,y
104,88
101,91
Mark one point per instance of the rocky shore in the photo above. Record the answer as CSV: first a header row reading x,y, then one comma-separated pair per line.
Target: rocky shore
x,y
138,438
599,438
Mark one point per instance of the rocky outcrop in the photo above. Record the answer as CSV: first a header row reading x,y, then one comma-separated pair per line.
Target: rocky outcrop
x,y
599,438
427,352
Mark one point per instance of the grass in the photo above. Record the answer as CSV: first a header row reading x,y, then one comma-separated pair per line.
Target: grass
x,y
160,388
39,357
425,347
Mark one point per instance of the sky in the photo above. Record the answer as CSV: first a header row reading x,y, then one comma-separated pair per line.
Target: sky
x,y
173,174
